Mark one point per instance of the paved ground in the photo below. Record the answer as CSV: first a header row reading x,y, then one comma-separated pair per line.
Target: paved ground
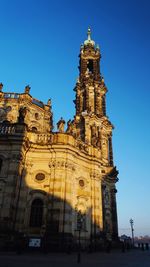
x,y
134,258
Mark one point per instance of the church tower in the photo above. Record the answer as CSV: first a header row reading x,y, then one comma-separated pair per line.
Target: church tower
x,y
93,125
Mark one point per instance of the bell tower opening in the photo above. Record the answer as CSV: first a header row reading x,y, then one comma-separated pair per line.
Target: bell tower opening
x,y
90,65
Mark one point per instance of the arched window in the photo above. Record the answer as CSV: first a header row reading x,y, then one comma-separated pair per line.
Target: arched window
x,y
36,214
1,162
37,116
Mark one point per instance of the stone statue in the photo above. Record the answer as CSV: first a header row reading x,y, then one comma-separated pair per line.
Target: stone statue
x,y
94,141
22,114
81,102
94,135
27,89
49,102
60,125
93,130
102,80
69,127
75,128
1,87
87,72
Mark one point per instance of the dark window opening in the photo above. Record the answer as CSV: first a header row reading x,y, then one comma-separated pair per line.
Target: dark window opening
x,y
90,65
37,116
34,129
36,213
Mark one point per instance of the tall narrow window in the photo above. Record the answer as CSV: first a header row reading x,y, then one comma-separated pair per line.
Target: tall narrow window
x,y
36,213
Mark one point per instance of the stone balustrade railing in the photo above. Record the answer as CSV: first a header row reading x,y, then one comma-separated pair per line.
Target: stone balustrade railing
x,y
49,138
15,128
7,129
65,139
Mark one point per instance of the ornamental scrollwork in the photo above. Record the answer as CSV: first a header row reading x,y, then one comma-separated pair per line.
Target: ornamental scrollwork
x,y
62,165
95,175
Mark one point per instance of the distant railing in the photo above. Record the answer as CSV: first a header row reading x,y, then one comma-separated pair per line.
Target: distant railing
x,y
11,95
16,96
37,102
44,138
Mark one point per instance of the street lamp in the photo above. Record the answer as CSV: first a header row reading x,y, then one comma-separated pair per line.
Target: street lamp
x,y
132,231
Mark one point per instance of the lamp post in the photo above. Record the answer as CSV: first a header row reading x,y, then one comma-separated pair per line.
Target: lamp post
x,y
132,231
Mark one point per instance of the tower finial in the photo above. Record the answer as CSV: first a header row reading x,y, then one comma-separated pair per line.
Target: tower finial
x,y
89,34
89,41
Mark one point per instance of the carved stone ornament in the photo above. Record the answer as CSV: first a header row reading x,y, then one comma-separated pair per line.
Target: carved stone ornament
x,y
43,139
82,146
62,165
95,175
60,125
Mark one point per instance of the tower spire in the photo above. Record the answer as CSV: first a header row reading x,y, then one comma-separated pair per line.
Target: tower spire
x,y
89,34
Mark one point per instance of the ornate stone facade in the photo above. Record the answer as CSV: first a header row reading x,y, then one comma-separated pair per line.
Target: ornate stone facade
x,y
51,180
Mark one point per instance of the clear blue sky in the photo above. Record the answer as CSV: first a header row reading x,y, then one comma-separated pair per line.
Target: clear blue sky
x,y
39,45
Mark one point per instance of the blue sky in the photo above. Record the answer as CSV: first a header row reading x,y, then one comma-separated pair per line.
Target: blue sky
x,y
40,43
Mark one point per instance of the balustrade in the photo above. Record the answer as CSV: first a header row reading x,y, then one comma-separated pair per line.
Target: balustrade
x,y
7,129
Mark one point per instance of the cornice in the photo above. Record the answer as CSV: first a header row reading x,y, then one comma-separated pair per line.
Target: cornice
x,y
111,176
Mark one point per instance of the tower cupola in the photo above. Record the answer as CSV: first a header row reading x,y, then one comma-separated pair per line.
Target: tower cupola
x,y
89,41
